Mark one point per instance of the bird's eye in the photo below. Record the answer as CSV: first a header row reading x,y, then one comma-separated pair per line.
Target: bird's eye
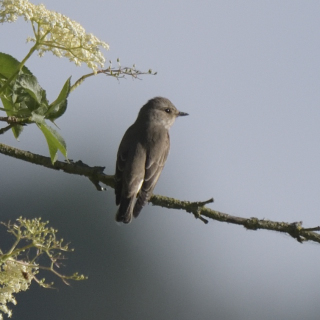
x,y
167,110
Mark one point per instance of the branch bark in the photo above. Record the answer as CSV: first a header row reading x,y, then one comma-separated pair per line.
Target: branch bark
x,y
198,209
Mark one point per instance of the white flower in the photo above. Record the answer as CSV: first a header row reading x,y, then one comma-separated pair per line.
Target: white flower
x,y
55,31
12,280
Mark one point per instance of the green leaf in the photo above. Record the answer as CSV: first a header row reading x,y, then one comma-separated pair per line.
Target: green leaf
x,y
17,129
24,91
9,65
59,106
30,85
28,93
54,140
9,107
24,98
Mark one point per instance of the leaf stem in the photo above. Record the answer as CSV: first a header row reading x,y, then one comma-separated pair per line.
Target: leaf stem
x,y
22,63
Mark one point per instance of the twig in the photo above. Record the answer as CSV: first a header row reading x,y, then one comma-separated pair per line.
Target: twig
x,y
198,209
5,129
119,72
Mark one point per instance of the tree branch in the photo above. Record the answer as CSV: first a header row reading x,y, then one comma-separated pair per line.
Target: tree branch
x,y
198,209
95,174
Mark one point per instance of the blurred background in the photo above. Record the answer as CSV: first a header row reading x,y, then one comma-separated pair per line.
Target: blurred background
x,y
248,73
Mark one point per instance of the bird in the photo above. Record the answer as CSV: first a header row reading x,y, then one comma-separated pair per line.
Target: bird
x,y
141,156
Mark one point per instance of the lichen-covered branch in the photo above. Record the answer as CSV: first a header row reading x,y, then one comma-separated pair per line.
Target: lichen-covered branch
x,y
198,209
95,174
294,229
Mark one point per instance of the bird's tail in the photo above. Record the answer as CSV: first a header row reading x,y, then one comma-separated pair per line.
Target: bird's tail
x,y
143,198
124,213
138,206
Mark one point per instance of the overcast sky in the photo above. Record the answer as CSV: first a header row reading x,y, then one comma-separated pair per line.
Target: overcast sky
x,y
248,73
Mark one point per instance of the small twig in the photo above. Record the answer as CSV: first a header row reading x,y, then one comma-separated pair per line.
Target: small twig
x,y
5,129
92,178
312,229
119,72
15,120
195,208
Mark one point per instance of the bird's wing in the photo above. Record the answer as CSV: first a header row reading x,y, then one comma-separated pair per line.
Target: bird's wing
x,y
129,174
125,156
120,166
155,162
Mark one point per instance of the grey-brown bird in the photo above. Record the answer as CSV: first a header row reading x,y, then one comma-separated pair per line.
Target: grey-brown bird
x,y
142,154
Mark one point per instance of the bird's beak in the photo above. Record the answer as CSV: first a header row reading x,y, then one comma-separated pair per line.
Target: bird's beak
x,y
183,114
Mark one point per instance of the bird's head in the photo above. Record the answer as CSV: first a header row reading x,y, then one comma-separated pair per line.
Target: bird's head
x,y
160,111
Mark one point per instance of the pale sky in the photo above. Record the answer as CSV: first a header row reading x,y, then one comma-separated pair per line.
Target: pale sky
x,y
248,73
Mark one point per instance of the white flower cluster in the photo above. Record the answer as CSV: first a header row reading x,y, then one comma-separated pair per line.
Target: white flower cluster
x,y
56,33
14,277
